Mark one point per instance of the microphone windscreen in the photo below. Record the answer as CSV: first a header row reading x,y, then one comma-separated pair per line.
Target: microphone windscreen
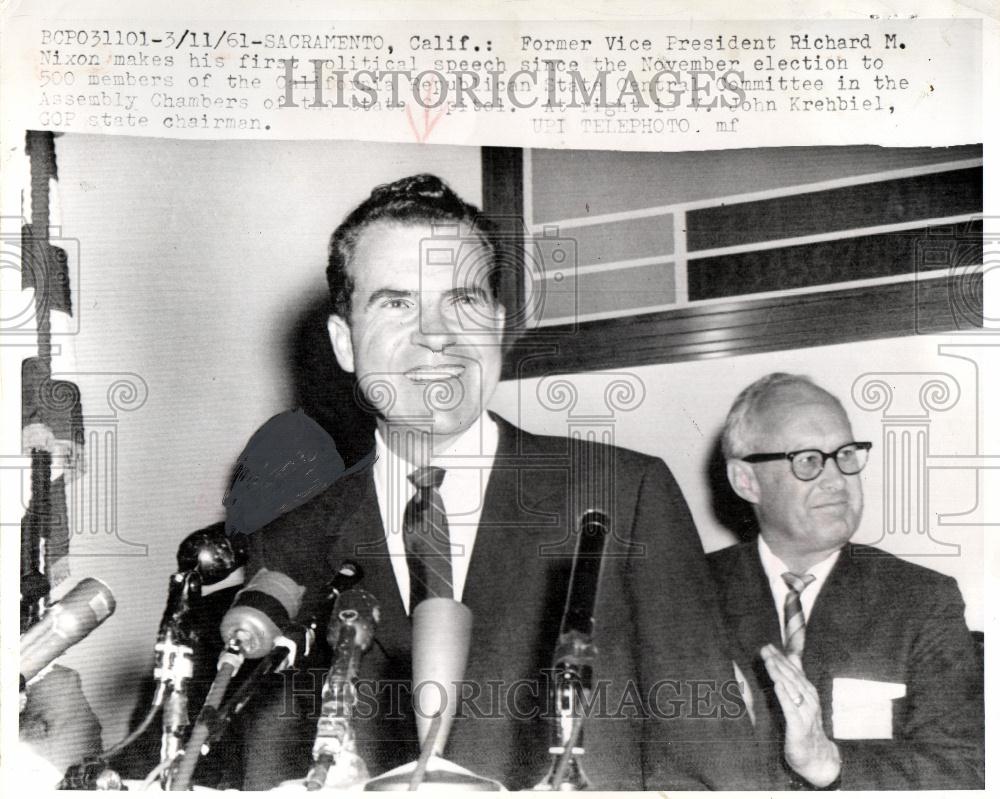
x,y
442,630
86,606
210,552
265,606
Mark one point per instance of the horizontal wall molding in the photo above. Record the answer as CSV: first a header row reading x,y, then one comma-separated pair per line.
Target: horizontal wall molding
x,y
728,329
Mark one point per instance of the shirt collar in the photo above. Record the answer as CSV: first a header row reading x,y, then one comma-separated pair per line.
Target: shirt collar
x,y
774,566
478,441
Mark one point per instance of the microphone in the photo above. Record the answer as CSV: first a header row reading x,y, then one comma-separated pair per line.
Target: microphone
x,y
173,666
87,605
265,606
442,632
577,628
575,654
209,552
258,625
350,634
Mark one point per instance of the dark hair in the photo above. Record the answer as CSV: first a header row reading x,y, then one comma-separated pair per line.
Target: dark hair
x,y
415,199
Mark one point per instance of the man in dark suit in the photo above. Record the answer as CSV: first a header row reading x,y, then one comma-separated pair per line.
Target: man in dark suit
x,y
416,317
863,670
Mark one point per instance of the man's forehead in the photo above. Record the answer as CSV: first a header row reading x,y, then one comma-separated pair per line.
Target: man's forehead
x,y
419,251
796,417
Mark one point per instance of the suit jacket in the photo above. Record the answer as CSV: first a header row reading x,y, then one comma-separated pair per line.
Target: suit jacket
x,y
667,709
878,618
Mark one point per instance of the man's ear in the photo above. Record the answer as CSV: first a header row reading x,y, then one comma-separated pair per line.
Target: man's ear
x,y
743,480
340,338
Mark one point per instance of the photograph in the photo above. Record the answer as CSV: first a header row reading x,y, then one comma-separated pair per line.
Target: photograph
x,y
440,453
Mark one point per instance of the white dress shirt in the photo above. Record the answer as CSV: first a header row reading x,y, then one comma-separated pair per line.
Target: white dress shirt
x,y
467,462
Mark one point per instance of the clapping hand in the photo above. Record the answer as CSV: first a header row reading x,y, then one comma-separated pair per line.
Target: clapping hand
x,y
808,751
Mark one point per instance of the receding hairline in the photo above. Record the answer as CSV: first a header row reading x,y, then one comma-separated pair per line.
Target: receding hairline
x,y
766,396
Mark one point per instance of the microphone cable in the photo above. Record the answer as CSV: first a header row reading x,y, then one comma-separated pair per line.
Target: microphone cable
x,y
207,717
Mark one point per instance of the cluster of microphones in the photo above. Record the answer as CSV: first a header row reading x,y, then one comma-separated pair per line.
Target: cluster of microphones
x,y
262,626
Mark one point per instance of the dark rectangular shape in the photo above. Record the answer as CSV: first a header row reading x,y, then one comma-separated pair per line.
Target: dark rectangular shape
x,y
886,202
741,327
503,204
823,263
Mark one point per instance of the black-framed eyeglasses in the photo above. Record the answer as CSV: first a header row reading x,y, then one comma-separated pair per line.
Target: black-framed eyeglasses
x,y
808,464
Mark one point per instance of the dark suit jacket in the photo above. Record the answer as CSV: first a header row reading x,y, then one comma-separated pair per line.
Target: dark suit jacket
x,y
880,618
670,713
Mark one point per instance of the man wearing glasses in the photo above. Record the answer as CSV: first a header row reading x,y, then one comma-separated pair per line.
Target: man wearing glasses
x,y
861,670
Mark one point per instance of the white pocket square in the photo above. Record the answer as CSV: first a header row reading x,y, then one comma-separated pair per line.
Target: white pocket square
x,y
862,709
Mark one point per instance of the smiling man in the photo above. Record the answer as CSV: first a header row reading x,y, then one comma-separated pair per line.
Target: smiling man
x,y
459,503
863,668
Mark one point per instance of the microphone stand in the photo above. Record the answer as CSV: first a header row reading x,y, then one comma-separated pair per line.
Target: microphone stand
x,y
205,557
573,669
174,668
213,721
283,650
573,675
336,762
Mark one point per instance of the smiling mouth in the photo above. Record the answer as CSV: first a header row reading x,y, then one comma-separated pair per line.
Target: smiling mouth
x,y
833,504
436,374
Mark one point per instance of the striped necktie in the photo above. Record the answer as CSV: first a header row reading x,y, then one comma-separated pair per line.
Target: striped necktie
x,y
795,619
425,537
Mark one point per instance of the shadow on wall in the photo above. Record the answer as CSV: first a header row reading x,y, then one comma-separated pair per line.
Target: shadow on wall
x,y
322,389
730,511
298,453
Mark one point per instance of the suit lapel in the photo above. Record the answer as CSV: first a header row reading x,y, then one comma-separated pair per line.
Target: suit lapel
x,y
833,631
355,533
514,508
832,627
749,605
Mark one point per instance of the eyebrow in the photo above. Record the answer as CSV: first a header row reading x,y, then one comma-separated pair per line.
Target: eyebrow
x,y
392,294
465,291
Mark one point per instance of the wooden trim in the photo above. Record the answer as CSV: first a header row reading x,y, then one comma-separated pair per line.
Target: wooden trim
x,y
907,308
503,204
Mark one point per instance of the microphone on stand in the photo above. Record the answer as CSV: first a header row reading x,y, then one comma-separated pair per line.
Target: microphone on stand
x,y
204,557
81,611
300,636
350,634
254,627
442,632
174,665
574,656
265,606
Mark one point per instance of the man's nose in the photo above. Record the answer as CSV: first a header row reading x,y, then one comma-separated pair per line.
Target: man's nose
x,y
434,330
831,477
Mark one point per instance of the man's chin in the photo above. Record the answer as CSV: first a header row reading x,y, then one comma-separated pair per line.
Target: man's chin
x,y
440,425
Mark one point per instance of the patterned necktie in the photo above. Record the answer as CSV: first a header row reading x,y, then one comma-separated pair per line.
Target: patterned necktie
x,y
795,619
425,537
